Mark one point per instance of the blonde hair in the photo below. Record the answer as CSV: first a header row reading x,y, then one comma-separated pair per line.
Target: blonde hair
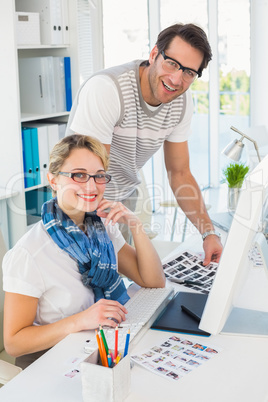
x,y
63,149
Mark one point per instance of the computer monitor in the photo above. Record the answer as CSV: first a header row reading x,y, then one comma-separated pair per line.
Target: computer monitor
x,y
225,310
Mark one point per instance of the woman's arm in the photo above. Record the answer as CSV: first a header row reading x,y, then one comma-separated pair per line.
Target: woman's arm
x,y
22,337
142,263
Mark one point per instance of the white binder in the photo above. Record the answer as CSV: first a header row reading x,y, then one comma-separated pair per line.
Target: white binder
x,y
62,130
53,135
50,18
37,86
65,22
59,80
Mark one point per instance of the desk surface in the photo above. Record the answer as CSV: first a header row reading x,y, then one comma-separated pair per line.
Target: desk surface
x,y
238,373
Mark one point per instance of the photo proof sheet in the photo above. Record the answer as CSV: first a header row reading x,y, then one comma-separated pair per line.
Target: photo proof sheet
x,y
176,356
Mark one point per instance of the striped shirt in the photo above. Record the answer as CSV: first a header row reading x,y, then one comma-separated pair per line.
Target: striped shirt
x,y
135,130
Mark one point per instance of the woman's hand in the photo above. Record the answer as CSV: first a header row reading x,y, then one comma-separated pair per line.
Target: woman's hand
x,y
22,337
104,312
140,263
117,212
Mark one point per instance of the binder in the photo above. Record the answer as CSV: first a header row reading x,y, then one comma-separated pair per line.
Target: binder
x,y
62,130
43,151
65,22
35,156
27,157
59,80
61,127
68,83
37,86
50,18
53,135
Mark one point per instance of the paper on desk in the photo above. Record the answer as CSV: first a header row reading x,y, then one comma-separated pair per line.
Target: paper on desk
x,y
188,266
176,356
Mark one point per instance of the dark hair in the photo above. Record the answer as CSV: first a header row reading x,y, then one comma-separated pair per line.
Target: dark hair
x,y
190,33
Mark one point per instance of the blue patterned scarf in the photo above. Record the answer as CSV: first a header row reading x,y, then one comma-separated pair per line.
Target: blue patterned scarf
x,y
93,252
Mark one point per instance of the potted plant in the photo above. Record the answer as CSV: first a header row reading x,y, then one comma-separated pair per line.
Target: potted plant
x,y
234,176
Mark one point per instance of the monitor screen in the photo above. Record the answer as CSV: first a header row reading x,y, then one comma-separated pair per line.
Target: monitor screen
x,y
224,311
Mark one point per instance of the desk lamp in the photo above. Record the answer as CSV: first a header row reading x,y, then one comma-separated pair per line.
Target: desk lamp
x,y
235,148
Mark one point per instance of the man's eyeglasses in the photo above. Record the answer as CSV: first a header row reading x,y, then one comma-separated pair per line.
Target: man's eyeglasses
x,y
172,66
80,177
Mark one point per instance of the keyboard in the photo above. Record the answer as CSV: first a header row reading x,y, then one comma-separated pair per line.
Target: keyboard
x,y
143,309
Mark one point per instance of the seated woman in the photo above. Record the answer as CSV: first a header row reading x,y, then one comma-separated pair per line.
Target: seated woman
x,y
62,276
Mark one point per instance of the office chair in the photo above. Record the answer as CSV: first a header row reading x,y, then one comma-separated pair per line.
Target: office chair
x,y
7,368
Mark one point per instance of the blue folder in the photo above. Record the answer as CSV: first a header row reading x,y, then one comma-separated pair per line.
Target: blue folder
x,y
68,83
35,154
27,157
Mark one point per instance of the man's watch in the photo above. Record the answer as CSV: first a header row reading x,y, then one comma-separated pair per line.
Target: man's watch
x,y
210,232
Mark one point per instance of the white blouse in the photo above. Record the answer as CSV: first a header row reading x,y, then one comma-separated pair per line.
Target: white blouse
x,y
37,267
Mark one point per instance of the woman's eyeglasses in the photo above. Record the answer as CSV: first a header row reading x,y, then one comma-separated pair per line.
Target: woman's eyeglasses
x,y
80,177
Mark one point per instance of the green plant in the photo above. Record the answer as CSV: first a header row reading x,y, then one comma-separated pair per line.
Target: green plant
x,y
235,174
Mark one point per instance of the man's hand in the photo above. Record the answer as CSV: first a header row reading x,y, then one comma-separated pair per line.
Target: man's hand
x,y
213,249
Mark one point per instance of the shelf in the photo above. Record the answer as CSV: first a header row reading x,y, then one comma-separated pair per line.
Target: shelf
x,y
31,117
15,219
35,187
27,47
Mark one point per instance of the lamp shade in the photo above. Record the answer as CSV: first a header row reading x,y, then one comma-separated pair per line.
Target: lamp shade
x,y
234,150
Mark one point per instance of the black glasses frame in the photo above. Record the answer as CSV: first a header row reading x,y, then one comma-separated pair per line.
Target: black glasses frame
x,y
165,57
94,176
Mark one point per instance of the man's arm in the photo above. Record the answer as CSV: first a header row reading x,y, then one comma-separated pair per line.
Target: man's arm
x,y
188,195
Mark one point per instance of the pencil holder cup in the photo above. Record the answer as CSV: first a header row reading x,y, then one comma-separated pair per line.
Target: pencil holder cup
x,y
101,383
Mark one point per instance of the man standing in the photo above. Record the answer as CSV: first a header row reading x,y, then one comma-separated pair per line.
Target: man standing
x,y
135,108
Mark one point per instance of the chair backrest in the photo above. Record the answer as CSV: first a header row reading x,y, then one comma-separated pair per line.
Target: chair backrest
x,y
3,250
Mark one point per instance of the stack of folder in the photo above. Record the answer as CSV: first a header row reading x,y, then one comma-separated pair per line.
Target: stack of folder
x,y
37,143
45,84
54,19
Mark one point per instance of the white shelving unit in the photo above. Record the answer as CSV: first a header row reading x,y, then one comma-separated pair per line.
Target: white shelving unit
x,y
11,161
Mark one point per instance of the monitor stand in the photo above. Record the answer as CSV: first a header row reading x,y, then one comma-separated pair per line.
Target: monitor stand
x,y
250,322
246,322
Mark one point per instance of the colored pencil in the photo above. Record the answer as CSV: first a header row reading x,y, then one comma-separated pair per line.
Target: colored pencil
x,y
104,353
115,343
127,343
100,348
109,360
118,358
104,340
110,353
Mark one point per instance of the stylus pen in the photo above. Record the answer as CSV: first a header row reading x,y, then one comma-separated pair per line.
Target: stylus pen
x,y
186,282
190,313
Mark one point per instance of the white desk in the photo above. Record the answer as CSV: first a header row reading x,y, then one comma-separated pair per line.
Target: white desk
x,y
238,373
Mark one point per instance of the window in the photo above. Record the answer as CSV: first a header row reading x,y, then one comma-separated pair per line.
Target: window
x,y
234,69
194,11
126,33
